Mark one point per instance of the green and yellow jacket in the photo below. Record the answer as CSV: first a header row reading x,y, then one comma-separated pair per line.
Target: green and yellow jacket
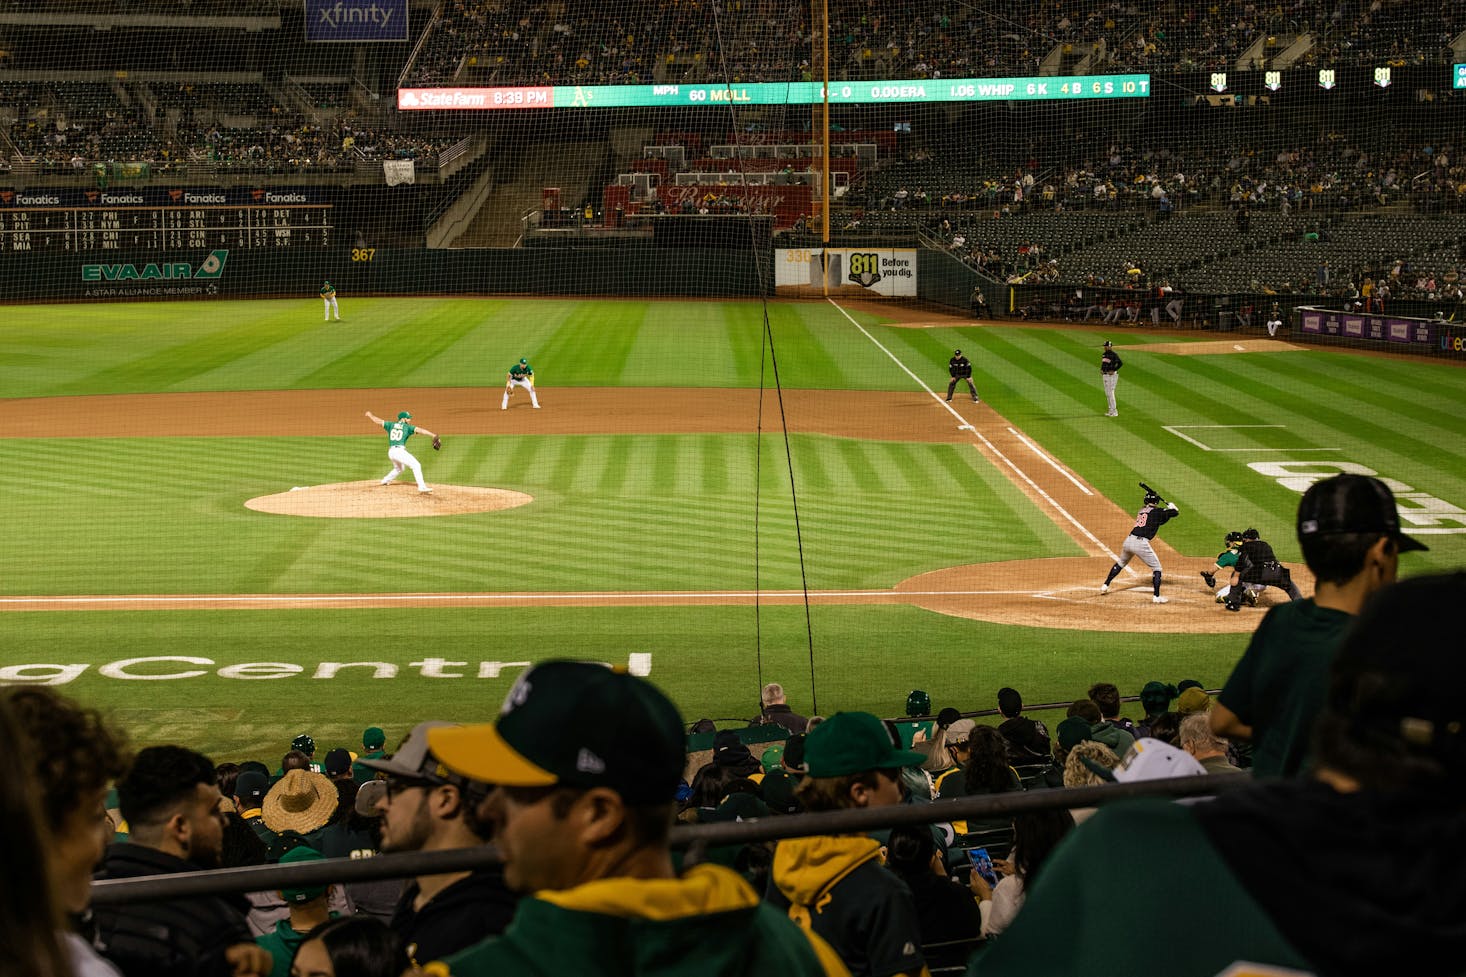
x,y
707,922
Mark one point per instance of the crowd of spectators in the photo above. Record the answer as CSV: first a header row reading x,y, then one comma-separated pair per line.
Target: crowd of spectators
x,y
1339,732
526,42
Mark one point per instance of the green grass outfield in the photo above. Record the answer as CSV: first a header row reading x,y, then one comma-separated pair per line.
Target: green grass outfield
x,y
641,512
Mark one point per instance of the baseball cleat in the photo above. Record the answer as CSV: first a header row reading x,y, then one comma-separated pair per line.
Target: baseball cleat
x,y
1250,597
976,401
1235,608
1104,588
1158,599
424,491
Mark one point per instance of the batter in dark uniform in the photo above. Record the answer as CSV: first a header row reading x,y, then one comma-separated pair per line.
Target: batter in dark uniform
x,y
960,367
1154,514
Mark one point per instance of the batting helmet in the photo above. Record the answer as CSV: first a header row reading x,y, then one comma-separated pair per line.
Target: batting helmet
x,y
1152,499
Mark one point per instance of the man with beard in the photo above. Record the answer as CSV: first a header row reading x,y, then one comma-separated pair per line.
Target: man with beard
x,y
171,802
426,807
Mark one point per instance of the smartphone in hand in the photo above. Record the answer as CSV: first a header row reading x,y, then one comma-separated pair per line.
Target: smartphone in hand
x,y
982,864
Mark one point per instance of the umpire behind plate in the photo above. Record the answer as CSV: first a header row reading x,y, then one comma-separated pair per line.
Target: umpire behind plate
x,y
1257,564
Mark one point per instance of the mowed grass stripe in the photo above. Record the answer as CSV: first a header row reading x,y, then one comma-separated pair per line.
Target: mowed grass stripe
x,y
656,519
853,647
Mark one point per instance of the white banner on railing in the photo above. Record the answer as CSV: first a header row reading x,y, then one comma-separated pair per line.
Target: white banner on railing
x,y
885,271
399,171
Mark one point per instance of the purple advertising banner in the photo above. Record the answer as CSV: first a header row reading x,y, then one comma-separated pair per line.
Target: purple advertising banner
x,y
1436,335
355,21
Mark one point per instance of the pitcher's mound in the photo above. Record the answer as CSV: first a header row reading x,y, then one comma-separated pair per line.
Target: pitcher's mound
x,y
373,500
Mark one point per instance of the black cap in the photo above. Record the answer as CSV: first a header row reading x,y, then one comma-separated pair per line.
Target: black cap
x,y
1400,670
338,761
1352,504
1108,344
956,352
251,787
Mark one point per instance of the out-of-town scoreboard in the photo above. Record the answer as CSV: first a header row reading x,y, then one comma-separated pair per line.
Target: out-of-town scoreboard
x,y
155,219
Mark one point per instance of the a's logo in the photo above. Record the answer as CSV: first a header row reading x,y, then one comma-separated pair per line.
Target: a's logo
x,y
865,268
518,694
588,762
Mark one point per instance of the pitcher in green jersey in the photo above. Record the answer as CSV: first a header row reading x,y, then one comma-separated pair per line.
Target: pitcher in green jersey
x,y
398,432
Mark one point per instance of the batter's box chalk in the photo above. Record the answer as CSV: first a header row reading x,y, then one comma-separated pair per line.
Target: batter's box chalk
x,y
966,427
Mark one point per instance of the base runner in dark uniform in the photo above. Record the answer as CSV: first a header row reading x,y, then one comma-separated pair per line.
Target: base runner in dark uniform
x,y
1154,514
1256,564
960,367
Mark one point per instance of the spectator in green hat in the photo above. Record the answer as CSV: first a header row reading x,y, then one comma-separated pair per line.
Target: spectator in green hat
x,y
586,761
373,747
307,911
835,886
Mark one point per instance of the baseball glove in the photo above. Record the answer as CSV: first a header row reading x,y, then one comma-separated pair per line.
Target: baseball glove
x,y
437,444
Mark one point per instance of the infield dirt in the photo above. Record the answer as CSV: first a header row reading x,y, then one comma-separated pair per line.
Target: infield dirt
x,y
1050,593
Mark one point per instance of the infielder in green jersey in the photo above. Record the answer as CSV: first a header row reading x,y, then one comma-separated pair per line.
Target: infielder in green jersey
x,y
521,374
328,296
398,432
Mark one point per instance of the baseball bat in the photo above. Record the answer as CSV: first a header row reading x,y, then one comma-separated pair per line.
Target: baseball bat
x,y
1152,491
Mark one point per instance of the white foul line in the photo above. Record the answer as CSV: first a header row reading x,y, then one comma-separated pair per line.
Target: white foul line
x,y
1052,463
990,446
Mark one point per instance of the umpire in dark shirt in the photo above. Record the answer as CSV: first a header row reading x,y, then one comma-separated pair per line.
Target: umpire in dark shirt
x,y
960,367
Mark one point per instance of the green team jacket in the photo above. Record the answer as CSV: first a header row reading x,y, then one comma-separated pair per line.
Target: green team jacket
x,y
708,922
282,942
1068,927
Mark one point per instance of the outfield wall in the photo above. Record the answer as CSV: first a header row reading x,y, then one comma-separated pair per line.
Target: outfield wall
x,y
247,272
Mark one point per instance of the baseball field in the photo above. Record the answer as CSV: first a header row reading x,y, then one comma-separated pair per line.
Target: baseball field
x,y
714,493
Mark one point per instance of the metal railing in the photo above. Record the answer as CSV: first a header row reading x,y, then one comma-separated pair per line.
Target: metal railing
x,y
693,838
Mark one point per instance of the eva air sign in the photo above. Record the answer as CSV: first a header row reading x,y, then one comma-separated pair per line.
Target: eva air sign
x,y
211,267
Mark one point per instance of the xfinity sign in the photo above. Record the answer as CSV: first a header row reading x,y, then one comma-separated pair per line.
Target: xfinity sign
x,y
355,21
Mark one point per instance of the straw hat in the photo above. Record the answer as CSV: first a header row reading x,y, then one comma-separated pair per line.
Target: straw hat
x,y
301,801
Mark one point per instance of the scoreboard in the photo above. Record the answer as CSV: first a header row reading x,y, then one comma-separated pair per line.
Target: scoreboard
x,y
81,222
